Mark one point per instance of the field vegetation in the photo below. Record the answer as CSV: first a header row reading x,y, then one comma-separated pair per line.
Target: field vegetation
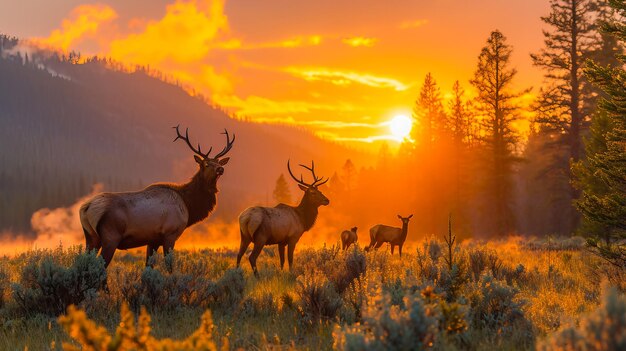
x,y
515,294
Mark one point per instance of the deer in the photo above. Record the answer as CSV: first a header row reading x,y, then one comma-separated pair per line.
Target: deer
x,y
282,225
348,237
381,233
157,215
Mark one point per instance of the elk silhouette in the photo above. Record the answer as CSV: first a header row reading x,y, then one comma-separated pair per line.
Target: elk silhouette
x,y
381,233
348,237
157,215
282,225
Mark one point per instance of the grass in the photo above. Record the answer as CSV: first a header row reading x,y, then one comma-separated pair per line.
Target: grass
x,y
527,292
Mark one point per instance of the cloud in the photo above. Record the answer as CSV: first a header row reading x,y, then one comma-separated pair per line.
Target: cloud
x,y
289,43
413,24
346,78
185,34
360,41
325,124
260,106
368,139
84,20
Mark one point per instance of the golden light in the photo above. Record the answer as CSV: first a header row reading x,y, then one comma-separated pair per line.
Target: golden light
x,y
400,126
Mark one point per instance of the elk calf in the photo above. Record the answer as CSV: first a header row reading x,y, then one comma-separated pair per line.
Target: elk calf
x,y
381,233
282,225
157,215
348,237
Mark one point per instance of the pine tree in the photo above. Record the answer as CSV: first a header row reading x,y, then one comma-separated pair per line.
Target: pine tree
x,y
282,193
603,201
459,119
348,173
564,106
495,101
428,113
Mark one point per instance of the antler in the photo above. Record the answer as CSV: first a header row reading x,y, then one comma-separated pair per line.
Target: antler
x,y
316,180
229,145
186,139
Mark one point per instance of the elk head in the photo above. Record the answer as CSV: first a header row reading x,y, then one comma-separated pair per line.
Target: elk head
x,y
211,168
312,194
354,229
405,220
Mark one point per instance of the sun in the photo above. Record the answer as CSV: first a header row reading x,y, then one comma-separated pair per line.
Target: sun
x,y
400,126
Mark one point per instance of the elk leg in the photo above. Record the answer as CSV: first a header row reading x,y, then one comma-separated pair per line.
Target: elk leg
x,y
256,251
392,247
150,250
378,245
108,250
281,253
168,247
245,242
400,249
290,248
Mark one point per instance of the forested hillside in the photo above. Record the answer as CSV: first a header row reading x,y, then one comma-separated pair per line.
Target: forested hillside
x,y
65,126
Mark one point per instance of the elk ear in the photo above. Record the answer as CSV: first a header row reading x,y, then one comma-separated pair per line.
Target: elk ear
x,y
198,159
223,161
302,187
410,216
399,216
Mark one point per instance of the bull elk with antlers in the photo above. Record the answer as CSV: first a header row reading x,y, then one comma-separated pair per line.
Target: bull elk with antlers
x,y
282,225
157,215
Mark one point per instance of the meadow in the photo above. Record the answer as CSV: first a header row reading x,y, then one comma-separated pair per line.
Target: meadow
x,y
515,294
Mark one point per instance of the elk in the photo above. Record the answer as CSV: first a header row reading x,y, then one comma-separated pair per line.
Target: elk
x,y
348,237
282,225
381,233
157,215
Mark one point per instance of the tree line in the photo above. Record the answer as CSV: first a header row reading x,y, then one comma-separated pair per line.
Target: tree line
x,y
467,157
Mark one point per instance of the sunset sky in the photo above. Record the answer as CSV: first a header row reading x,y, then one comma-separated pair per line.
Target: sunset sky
x,y
341,68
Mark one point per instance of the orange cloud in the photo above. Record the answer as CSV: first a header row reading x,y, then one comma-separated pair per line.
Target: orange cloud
x,y
360,41
413,24
183,35
83,20
259,106
346,77
291,42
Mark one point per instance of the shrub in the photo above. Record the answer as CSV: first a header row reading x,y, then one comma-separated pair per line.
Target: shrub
x,y
452,281
230,287
477,263
493,306
604,329
47,287
4,285
263,305
319,301
131,336
170,291
389,327
353,267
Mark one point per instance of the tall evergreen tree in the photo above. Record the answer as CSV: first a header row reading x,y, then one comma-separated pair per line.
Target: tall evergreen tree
x,y
428,113
495,101
603,201
460,118
281,190
564,105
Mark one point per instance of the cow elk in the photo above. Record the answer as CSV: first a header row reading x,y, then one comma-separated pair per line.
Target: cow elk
x,y
381,233
282,225
157,215
348,237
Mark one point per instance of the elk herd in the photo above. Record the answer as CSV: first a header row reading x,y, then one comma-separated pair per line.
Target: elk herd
x,y
157,215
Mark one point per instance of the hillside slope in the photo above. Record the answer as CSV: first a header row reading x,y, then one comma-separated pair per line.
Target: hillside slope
x,y
64,127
